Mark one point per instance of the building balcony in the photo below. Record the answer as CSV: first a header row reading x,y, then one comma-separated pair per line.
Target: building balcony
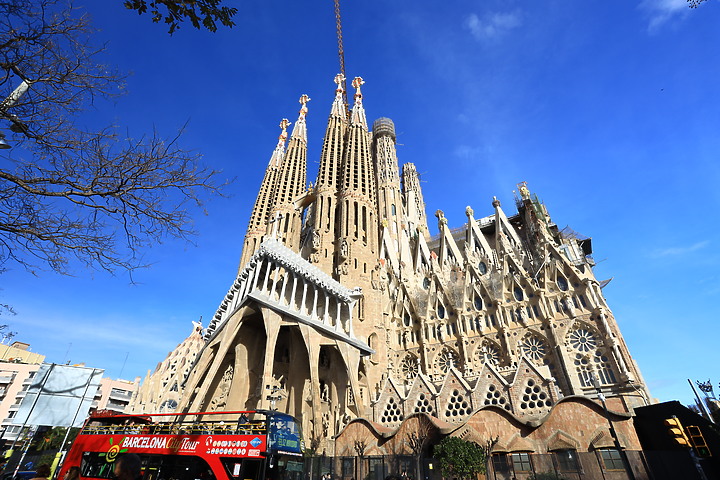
x,y
121,396
6,378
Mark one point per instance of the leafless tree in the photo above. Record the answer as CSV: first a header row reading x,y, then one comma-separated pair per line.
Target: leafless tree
x,y
68,192
418,439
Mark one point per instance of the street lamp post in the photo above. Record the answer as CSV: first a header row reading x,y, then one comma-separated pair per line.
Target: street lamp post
x,y
613,433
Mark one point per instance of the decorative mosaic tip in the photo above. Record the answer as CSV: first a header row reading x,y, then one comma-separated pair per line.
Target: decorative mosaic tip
x,y
339,81
284,124
356,83
304,99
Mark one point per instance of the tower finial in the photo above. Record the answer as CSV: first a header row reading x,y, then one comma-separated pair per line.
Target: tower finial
x,y
279,153
300,130
284,123
339,81
356,83
304,99
358,112
339,109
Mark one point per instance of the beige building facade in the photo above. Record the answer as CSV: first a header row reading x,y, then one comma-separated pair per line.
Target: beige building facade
x,y
115,394
345,309
162,389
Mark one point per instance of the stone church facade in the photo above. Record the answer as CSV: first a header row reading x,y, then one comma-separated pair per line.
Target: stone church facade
x,y
346,310
162,389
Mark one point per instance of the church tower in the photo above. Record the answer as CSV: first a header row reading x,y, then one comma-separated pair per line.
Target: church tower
x,y
263,203
357,235
319,247
413,199
290,185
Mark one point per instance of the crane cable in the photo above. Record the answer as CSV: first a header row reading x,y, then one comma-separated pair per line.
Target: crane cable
x,y
341,55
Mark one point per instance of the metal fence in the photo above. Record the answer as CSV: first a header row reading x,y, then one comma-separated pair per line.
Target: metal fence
x,y
551,466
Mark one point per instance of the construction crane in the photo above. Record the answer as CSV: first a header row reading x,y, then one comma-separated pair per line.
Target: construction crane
x,y
341,55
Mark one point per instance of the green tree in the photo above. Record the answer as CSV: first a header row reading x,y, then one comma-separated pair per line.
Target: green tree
x,y
52,439
69,192
460,458
201,13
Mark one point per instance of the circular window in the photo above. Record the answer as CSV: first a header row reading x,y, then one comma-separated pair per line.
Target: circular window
x,y
562,283
478,302
482,268
489,354
583,340
409,366
447,359
533,348
518,294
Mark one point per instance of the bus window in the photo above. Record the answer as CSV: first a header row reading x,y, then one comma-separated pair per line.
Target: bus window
x,y
95,465
243,469
287,468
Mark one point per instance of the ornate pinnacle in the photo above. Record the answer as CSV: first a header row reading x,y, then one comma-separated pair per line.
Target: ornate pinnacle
x,y
356,85
284,123
339,80
304,99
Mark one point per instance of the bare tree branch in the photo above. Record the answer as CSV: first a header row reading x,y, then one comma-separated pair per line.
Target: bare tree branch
x,y
75,193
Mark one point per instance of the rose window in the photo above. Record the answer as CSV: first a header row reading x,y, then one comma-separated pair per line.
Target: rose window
x,y
409,366
533,348
583,340
489,354
446,359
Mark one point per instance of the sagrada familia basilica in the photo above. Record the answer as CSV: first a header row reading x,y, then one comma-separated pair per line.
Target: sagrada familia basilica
x,y
348,314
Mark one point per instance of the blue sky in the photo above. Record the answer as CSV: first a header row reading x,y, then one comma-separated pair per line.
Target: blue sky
x,y
608,109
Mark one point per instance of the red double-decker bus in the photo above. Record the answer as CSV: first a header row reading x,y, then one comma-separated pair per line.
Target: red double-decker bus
x,y
252,445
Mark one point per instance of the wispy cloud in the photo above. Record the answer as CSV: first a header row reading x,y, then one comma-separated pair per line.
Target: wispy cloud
x,y
677,251
493,25
118,332
466,152
662,11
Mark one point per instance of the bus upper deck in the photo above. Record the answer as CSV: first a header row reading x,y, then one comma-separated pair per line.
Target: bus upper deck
x,y
244,445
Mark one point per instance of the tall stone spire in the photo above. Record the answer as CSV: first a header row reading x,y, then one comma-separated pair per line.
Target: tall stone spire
x,y
390,205
290,184
264,201
357,230
414,203
320,249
